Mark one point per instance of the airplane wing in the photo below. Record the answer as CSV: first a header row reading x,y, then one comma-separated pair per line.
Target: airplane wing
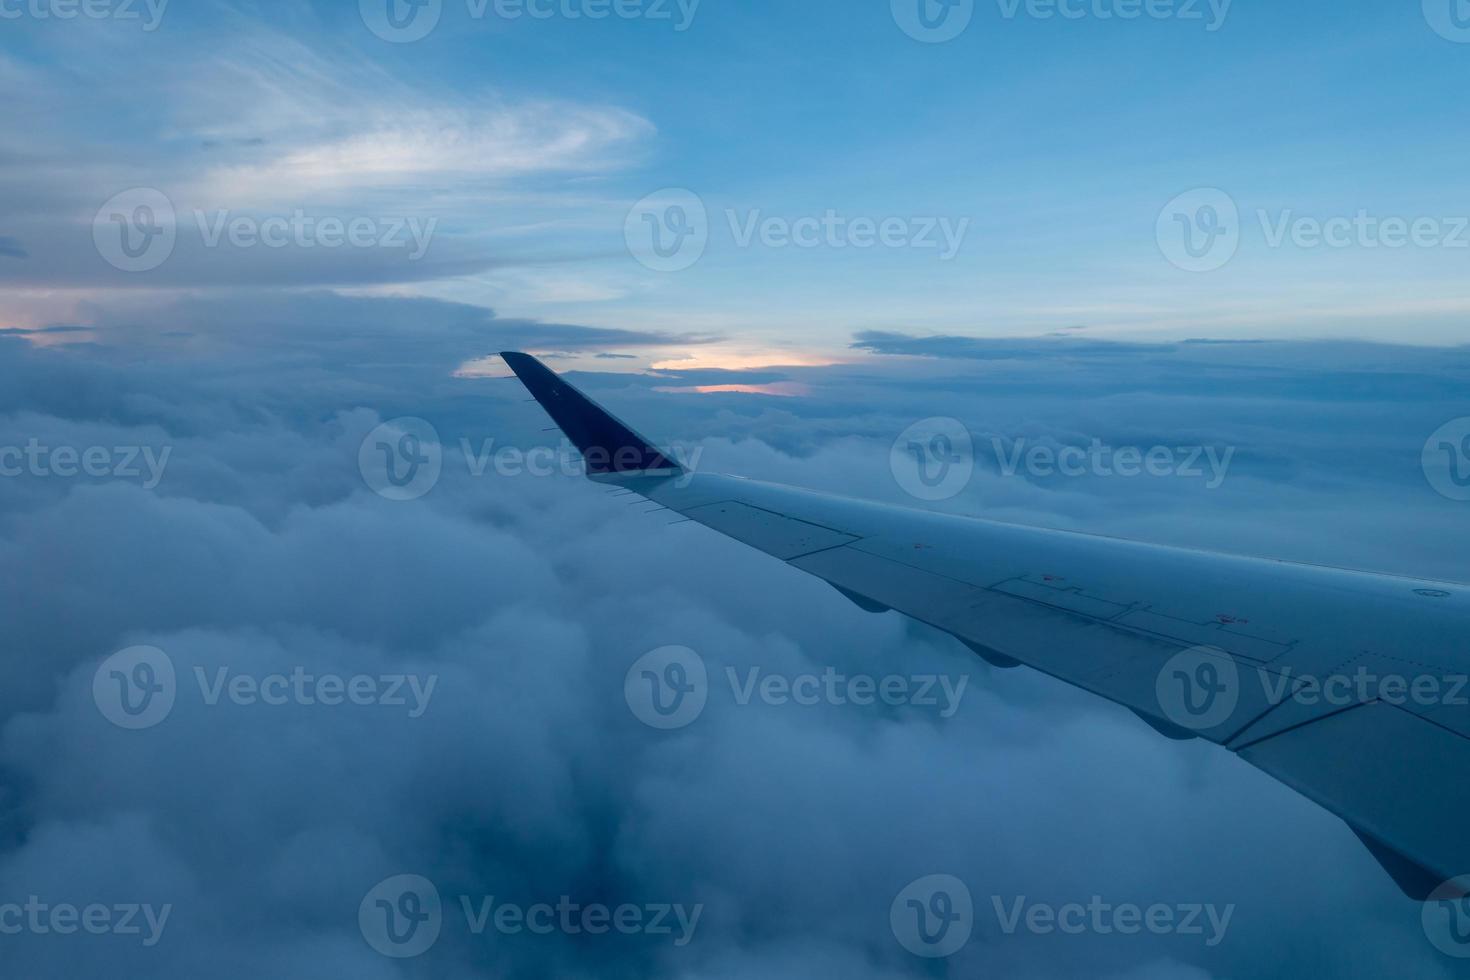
x,y
1348,686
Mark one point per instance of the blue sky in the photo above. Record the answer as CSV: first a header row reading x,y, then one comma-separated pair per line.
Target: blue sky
x,y
1047,145
247,237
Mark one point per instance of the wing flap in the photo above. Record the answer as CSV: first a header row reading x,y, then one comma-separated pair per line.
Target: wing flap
x,y
1394,777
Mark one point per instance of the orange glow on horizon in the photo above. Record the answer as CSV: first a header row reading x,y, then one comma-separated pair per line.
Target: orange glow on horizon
x,y
743,361
781,389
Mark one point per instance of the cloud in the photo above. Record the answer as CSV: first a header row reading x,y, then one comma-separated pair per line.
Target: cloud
x,y
482,144
277,147
262,551
995,348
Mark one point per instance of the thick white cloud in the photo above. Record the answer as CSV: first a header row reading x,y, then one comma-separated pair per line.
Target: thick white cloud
x,y
528,778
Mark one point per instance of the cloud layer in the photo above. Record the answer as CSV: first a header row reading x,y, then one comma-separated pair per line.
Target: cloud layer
x,y
262,552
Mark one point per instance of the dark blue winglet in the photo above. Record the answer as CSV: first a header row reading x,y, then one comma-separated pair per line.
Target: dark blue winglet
x,y
607,445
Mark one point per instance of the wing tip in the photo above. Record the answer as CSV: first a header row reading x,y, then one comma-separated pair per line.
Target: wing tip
x,y
608,446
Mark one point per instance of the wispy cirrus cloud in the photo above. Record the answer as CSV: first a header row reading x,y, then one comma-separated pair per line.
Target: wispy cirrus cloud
x,y
413,150
302,140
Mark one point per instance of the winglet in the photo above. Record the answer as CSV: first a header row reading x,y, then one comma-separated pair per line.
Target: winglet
x,y
607,445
